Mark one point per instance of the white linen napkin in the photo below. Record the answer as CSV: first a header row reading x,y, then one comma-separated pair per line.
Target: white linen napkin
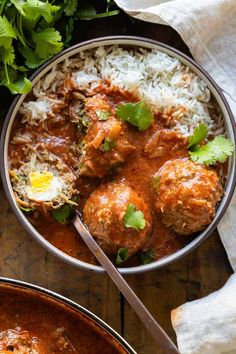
x,y
208,27
208,325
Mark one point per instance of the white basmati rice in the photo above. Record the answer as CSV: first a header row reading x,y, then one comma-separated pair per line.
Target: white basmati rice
x,y
167,85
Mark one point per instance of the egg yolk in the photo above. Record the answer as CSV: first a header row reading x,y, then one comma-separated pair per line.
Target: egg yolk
x,y
40,181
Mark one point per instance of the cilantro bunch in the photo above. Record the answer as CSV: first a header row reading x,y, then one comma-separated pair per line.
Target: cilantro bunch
x,y
31,32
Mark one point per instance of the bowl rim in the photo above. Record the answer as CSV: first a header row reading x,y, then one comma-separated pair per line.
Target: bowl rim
x,y
144,43
72,304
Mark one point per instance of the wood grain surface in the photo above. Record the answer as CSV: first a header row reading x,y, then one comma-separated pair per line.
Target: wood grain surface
x,y
201,272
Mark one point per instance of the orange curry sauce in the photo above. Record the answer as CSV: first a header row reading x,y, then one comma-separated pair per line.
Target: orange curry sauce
x,y
62,138
31,322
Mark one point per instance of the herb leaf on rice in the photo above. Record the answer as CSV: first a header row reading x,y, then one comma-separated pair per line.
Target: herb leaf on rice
x,y
137,114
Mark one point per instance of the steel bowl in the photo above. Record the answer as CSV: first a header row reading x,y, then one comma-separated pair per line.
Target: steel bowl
x,y
137,42
62,304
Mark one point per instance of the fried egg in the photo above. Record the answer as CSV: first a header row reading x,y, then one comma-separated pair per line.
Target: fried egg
x,y
43,186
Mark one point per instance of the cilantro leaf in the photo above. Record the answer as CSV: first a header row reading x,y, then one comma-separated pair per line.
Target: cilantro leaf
x,y
134,218
32,61
7,32
199,134
218,149
34,9
146,257
70,7
19,6
107,145
137,114
122,255
21,85
63,214
8,55
26,210
14,82
47,43
103,115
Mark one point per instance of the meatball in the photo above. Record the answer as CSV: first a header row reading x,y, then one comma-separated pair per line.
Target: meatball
x,y
106,143
104,214
186,195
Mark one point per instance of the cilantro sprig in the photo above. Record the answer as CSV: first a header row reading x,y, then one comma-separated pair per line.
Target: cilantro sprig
x,y
217,150
32,31
103,115
134,218
137,114
107,145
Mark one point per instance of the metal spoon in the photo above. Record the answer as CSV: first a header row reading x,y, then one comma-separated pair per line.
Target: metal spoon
x,y
150,323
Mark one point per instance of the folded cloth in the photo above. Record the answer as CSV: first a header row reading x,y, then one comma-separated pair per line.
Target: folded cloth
x,y
208,27
208,326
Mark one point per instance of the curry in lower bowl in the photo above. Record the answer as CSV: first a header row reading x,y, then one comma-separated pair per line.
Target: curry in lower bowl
x,y
35,321
132,138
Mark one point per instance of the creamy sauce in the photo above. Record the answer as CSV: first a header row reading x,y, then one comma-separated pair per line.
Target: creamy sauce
x,y
137,171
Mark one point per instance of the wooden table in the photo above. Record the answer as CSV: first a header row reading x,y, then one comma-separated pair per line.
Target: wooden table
x,y
203,271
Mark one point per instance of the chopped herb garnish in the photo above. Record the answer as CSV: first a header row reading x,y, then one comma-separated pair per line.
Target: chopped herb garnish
x,y
83,123
217,150
107,145
26,210
146,257
63,214
134,218
137,114
81,108
122,256
199,134
103,115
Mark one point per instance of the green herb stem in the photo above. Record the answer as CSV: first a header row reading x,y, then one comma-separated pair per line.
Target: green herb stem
x,y
101,15
6,72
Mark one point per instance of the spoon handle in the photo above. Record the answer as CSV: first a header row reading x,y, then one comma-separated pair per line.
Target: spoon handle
x,y
147,319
